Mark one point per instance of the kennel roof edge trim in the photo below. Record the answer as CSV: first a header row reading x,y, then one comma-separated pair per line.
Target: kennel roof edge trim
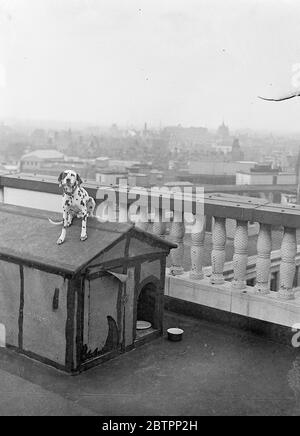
x,y
27,237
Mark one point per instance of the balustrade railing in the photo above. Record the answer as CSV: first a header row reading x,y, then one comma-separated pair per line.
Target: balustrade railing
x,y
243,210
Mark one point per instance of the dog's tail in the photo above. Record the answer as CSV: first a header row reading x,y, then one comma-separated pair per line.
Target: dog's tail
x,y
55,223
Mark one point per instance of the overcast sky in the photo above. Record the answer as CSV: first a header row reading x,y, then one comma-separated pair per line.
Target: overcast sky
x,y
192,62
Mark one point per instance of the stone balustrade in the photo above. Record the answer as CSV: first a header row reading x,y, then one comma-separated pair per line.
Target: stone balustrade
x,y
221,208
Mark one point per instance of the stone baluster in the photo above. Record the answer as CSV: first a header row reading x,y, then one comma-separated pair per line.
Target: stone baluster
x,y
122,211
218,251
112,212
177,236
263,264
143,220
240,257
197,248
288,264
159,224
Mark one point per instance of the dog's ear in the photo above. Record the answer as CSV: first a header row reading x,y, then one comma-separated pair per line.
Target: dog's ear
x,y
61,176
78,179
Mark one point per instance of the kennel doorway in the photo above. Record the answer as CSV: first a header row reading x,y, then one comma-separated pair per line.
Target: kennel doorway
x,y
148,309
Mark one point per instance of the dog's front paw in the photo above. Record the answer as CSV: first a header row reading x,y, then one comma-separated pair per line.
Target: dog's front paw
x,y
59,241
83,238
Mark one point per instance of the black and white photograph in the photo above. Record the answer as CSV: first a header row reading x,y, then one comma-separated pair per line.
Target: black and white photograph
x,y
149,211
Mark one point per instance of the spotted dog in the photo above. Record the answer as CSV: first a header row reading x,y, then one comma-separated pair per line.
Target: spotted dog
x,y
76,202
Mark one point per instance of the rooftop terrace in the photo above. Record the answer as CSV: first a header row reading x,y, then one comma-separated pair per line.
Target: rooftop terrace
x,y
215,370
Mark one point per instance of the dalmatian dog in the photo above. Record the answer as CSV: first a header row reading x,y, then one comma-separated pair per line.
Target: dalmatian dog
x,y
76,202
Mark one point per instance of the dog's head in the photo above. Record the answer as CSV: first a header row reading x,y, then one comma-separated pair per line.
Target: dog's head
x,y
69,180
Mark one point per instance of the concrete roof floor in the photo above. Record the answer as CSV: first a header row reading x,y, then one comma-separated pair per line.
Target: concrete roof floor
x,y
215,370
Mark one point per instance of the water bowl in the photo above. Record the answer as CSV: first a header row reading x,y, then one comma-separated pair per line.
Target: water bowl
x,y
175,334
143,325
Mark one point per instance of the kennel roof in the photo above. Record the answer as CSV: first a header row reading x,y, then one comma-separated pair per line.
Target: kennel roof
x,y
27,237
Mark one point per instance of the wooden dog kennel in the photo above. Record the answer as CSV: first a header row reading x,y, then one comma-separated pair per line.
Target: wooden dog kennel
x,y
75,305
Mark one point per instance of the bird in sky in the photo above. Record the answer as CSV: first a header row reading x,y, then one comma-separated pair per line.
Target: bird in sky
x,y
286,97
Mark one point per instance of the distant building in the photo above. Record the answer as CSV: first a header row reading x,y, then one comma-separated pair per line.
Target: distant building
x,y
213,172
9,168
236,151
102,162
52,163
179,135
138,179
178,184
112,172
221,148
227,145
223,132
111,177
265,175
122,164
219,168
32,162
287,199
206,179
156,177
140,168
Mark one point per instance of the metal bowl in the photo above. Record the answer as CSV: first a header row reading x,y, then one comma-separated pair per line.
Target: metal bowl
x,y
175,334
143,325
